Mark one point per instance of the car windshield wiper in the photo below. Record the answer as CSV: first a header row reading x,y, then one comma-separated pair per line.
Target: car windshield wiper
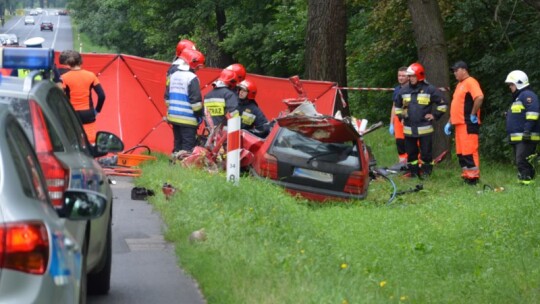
x,y
346,151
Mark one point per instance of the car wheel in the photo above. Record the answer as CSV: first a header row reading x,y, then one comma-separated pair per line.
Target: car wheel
x,y
99,282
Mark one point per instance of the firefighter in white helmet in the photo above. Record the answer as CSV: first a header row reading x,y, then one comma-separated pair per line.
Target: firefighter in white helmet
x,y
522,124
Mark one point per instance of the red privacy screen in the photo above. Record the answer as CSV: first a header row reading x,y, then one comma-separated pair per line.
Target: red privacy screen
x,y
134,108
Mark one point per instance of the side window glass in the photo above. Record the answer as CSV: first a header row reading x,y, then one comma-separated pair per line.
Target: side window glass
x,y
20,108
68,119
26,163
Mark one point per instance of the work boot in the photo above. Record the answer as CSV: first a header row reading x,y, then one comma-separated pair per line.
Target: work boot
x,y
471,181
412,171
525,181
427,169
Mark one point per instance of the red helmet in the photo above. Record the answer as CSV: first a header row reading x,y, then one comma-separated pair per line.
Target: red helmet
x,y
193,58
418,70
183,45
250,87
239,70
228,77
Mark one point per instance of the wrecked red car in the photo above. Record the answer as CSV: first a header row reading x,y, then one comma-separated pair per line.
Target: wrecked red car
x,y
319,157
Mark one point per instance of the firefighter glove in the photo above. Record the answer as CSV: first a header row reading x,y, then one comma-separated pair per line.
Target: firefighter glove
x,y
474,118
391,129
448,129
526,136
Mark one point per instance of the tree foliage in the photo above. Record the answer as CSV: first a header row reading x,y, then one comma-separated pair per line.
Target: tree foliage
x,y
269,36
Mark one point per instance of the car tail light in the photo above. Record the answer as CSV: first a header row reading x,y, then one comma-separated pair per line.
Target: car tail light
x,y
24,246
268,167
55,173
355,183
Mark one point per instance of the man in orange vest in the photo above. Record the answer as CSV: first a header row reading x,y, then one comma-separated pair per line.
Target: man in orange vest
x,y
465,117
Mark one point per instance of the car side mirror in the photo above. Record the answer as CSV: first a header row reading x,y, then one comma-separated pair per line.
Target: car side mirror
x,y
83,205
107,142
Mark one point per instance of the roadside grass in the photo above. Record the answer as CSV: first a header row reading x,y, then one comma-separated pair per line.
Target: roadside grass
x,y
450,243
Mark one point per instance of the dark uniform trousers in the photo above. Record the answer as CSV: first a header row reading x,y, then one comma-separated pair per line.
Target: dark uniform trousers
x,y
522,150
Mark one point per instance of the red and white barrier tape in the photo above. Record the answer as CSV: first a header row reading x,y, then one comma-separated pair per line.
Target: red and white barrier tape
x,y
379,89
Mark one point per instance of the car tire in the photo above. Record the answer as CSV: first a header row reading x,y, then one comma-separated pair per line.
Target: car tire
x,y
99,282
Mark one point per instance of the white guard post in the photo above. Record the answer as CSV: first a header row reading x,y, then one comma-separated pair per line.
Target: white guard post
x,y
233,150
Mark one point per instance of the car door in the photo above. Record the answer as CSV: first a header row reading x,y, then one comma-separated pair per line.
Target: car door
x,y
72,148
25,203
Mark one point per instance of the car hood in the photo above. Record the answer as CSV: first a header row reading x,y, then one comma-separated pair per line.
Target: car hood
x,y
320,127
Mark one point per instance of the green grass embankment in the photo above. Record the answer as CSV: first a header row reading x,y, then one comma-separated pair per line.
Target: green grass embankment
x,y
451,243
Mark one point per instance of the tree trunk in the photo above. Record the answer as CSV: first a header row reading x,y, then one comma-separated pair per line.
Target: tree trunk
x,y
325,56
432,54
214,56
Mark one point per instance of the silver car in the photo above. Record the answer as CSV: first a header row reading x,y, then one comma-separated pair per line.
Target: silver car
x,y
68,160
40,261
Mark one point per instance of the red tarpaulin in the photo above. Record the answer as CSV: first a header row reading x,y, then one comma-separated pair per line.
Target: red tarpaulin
x,y
134,108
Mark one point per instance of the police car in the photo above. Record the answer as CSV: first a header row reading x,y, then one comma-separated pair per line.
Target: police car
x,y
63,150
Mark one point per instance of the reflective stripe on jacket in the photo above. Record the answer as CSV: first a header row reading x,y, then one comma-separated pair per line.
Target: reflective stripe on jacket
x,y
185,101
523,116
221,102
413,103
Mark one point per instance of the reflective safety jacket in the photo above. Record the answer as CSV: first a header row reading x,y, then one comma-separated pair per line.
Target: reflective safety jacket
x,y
413,103
184,106
221,103
523,116
253,118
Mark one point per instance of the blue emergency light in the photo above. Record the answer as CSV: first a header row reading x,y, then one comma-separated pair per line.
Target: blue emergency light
x,y
26,58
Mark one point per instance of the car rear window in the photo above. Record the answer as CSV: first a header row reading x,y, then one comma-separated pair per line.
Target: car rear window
x,y
295,144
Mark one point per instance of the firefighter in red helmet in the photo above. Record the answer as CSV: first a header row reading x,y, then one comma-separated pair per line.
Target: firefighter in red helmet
x,y
240,71
184,106
180,47
183,45
222,102
418,105
253,118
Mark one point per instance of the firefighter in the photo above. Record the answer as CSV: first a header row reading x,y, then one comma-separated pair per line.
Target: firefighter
x,y
78,85
465,117
253,118
418,105
522,124
222,102
396,127
180,47
184,107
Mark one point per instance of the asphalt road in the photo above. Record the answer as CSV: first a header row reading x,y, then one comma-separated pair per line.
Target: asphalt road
x,y
144,268
61,38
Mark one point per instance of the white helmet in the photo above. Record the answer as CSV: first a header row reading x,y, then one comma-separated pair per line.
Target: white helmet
x,y
519,78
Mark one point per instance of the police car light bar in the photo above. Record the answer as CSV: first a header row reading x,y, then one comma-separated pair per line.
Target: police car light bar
x,y
26,58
